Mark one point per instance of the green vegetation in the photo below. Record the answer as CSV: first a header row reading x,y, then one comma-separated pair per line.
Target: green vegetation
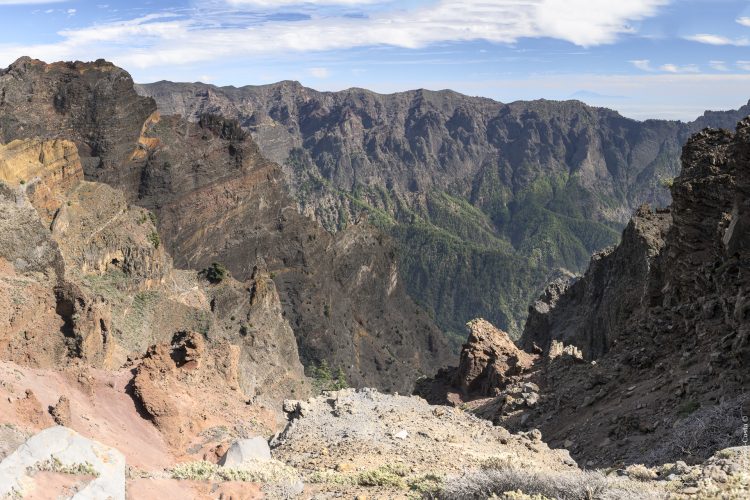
x,y
386,476
194,471
54,464
253,471
688,407
147,216
485,252
215,273
666,182
153,238
324,379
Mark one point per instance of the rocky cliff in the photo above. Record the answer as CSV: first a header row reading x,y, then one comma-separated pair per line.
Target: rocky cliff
x,y
486,201
215,199
641,359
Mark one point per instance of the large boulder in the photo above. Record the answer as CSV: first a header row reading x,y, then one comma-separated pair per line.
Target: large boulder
x,y
489,359
244,450
69,450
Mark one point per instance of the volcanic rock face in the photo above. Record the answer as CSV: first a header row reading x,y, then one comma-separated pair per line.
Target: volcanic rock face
x,y
590,312
49,167
486,201
92,104
169,373
490,362
216,199
664,317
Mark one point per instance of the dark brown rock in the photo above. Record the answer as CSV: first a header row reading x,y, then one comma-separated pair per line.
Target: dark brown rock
x,y
218,199
61,412
664,320
489,360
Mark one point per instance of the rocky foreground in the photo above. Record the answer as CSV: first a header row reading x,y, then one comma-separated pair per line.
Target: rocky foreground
x,y
345,444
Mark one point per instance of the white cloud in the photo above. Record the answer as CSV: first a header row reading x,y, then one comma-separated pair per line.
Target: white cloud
x,y
645,65
28,2
166,39
744,21
642,64
673,68
319,72
718,65
286,3
718,40
743,65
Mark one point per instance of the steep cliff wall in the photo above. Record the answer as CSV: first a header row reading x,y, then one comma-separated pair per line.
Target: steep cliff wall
x,y
216,198
665,319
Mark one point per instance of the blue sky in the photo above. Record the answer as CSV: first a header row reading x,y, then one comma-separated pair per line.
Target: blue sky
x,y
646,58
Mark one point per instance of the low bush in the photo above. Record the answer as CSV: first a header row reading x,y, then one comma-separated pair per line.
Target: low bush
x,y
215,273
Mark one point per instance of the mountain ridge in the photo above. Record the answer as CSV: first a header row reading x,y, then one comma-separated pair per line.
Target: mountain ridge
x,y
485,183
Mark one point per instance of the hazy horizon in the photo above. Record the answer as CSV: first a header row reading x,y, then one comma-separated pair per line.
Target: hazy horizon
x,y
669,59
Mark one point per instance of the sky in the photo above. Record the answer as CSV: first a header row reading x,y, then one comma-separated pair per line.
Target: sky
x,y
669,59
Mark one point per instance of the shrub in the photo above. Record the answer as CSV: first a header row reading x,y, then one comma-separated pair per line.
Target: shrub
x,y
253,471
667,182
215,273
325,380
524,483
640,472
390,476
198,471
426,484
688,407
54,464
386,475
153,237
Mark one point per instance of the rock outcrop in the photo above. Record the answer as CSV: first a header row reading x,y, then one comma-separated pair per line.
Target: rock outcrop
x,y
47,169
489,360
91,104
171,379
489,363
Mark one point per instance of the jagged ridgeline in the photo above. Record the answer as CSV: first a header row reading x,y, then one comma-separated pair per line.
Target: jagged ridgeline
x,y
486,201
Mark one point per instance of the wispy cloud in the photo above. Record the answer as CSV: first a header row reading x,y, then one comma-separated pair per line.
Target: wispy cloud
x,y
718,40
319,72
674,68
287,3
29,2
164,38
743,65
642,64
744,21
645,65
718,65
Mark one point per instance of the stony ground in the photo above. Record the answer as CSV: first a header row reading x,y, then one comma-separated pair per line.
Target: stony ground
x,y
360,439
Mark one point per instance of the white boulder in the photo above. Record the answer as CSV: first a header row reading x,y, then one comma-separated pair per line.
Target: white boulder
x,y
70,449
244,450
